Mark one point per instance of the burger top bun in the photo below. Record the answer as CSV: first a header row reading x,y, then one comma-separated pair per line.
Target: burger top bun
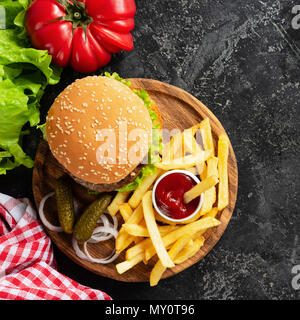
x,y
99,129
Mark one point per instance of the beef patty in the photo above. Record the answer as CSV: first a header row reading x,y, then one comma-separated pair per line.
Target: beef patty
x,y
107,187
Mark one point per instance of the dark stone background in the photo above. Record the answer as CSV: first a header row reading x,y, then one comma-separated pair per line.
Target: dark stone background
x,y
241,59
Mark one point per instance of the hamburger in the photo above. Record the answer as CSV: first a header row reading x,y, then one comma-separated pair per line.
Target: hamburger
x,y
102,133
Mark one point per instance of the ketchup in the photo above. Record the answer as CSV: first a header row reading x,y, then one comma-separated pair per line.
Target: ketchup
x,y
169,196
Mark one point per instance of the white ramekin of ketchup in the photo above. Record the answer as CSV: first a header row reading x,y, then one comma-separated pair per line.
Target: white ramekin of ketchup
x,y
167,195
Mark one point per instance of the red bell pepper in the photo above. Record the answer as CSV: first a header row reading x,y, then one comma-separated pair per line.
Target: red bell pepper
x,y
81,33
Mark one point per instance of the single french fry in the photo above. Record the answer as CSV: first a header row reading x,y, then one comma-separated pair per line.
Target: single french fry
x,y
194,128
140,231
125,211
120,197
212,166
124,239
138,248
209,196
173,148
176,146
128,264
137,215
190,243
138,194
189,229
200,168
213,213
207,139
199,188
203,174
190,144
223,150
185,162
189,251
159,268
154,232
136,230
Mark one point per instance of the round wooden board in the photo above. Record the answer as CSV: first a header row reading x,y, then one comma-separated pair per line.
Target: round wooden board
x,y
178,109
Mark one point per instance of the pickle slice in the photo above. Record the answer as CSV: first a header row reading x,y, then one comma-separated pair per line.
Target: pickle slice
x,y
87,222
65,204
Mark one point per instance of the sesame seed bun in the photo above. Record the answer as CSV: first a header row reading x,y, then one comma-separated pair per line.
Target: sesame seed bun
x,y
76,124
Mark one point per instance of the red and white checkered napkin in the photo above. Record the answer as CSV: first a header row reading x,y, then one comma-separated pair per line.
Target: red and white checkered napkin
x,y
27,265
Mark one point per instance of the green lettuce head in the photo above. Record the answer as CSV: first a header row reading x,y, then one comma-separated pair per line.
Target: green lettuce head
x,y
24,74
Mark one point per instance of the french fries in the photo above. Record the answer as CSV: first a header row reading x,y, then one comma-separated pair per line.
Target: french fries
x,y
192,147
200,188
159,268
136,230
138,248
212,213
194,128
154,232
189,251
121,197
223,146
125,211
209,196
203,174
190,143
185,162
173,148
140,231
138,194
124,239
137,215
190,229
128,264
145,233
207,139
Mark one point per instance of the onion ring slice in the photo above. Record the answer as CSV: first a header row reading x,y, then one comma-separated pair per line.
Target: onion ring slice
x,y
46,223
